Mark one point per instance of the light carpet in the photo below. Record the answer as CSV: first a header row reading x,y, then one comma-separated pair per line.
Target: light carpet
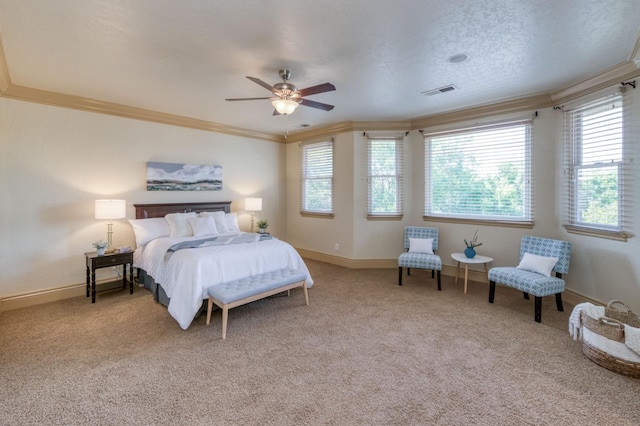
x,y
364,352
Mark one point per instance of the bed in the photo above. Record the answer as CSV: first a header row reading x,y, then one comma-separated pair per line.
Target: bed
x,y
178,274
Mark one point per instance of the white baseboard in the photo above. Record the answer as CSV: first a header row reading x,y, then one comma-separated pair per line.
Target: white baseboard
x,y
569,296
42,296
75,290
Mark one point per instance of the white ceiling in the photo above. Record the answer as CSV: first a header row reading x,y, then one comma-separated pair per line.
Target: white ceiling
x,y
186,57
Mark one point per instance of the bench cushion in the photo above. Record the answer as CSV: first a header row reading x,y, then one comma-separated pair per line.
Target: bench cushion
x,y
255,284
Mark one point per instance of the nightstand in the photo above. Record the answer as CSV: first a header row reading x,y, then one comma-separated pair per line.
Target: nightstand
x,y
110,259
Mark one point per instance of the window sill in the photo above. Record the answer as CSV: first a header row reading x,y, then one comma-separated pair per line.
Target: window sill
x,y
384,217
505,223
317,215
598,233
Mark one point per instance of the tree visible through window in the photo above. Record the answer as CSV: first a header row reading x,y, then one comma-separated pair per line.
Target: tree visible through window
x,y
384,159
317,178
595,169
480,173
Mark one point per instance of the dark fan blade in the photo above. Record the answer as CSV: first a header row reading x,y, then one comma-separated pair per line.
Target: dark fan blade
x,y
314,104
261,83
320,88
275,112
245,99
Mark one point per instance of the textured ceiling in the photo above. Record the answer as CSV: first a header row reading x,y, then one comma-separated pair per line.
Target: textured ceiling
x,y
186,57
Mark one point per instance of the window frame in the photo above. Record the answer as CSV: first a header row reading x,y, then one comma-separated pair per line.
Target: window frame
x,y
398,175
305,149
528,199
574,163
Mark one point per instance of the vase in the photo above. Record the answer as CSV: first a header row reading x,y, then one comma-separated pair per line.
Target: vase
x,y
101,251
470,252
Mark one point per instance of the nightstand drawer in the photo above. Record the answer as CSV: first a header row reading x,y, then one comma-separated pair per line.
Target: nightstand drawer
x,y
110,259
114,259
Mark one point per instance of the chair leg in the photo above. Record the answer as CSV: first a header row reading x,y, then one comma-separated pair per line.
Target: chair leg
x,y
538,309
492,290
526,295
400,275
559,302
408,271
433,276
439,286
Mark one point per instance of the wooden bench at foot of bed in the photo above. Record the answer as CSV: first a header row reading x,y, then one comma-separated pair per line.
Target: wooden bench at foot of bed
x,y
239,292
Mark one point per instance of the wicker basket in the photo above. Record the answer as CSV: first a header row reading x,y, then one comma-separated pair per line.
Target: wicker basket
x,y
625,315
603,343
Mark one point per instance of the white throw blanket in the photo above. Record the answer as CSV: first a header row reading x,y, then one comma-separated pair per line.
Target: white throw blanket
x,y
575,323
632,338
631,334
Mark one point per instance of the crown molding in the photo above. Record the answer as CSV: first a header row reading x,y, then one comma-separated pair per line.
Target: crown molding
x,y
635,53
483,111
347,126
23,93
29,94
621,72
5,79
616,74
320,132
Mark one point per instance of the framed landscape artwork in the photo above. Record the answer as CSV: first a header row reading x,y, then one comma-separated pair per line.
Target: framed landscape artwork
x,y
183,177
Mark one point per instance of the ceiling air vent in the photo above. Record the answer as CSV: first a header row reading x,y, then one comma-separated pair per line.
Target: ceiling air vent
x,y
443,89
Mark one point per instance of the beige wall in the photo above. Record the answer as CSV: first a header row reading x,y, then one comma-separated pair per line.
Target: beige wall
x,y
321,234
54,162
600,269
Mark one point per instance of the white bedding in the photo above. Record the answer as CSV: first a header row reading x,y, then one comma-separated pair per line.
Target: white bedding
x,y
188,273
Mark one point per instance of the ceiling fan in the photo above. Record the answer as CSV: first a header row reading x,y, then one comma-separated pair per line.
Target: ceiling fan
x,y
286,97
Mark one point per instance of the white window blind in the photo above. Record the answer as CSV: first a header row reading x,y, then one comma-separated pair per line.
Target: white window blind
x,y
598,167
317,178
480,173
385,179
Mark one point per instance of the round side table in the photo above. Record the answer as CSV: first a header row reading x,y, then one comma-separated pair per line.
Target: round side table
x,y
477,259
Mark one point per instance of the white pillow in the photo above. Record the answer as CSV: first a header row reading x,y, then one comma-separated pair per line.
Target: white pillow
x,y
540,264
179,224
146,230
421,245
219,218
231,221
203,226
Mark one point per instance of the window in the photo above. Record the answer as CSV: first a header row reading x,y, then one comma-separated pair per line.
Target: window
x,y
595,167
384,179
317,178
480,173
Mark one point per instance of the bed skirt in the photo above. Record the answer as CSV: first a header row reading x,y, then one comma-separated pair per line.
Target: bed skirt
x,y
156,289
158,293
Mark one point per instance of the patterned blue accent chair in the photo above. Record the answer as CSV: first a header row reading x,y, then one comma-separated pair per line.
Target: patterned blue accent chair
x,y
535,283
413,259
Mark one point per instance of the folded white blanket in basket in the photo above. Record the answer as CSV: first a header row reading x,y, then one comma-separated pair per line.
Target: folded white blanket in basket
x,y
575,323
632,338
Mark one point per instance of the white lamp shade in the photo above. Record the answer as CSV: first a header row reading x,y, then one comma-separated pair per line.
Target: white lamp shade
x,y
284,106
253,204
111,209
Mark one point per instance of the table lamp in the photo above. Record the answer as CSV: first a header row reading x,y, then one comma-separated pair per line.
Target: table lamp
x,y
110,209
253,205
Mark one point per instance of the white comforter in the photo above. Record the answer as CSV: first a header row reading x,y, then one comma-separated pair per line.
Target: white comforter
x,y
188,273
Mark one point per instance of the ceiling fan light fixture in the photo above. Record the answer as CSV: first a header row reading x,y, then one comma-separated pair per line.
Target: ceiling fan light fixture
x,y
284,106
